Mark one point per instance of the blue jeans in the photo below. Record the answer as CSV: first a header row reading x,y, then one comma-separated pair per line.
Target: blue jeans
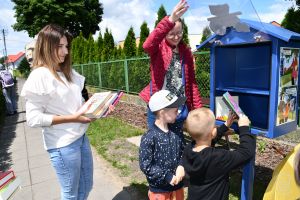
x,y
74,168
10,99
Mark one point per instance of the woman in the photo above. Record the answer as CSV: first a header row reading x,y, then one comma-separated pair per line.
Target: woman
x,y
53,97
171,62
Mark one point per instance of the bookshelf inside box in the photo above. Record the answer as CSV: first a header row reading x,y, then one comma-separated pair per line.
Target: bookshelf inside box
x,y
245,71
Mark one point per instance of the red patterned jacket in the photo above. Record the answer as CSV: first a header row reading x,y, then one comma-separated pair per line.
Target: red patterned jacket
x,y
160,52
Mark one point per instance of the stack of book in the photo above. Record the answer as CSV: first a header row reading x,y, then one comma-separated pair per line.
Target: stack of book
x,y
9,183
98,105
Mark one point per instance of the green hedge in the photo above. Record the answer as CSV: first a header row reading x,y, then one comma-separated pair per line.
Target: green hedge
x,y
112,74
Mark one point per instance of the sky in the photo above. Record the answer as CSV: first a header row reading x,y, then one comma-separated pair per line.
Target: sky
x,y
120,15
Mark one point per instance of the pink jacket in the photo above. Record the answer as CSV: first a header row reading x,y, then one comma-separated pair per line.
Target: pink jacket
x,y
160,53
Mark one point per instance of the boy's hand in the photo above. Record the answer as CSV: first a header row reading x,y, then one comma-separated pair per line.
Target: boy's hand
x,y
244,121
231,118
173,181
179,174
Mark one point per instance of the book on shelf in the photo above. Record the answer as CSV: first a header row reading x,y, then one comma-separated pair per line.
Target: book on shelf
x,y
9,188
232,104
97,106
5,177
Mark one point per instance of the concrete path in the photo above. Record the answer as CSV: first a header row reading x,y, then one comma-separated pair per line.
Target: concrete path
x,y
21,149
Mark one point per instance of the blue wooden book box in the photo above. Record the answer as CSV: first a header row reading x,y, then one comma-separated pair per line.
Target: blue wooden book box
x,y
257,67
260,67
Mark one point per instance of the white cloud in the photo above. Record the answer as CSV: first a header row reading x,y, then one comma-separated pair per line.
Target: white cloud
x,y
196,19
15,41
120,15
276,11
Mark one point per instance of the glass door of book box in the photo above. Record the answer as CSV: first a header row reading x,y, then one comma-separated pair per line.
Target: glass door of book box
x,y
244,71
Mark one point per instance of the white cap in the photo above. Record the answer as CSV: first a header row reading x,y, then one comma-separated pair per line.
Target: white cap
x,y
165,99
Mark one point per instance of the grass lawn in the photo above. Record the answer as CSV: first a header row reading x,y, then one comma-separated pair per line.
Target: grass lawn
x,y
103,135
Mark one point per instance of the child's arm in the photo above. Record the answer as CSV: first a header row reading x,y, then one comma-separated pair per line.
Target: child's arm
x,y
149,166
180,173
245,150
221,130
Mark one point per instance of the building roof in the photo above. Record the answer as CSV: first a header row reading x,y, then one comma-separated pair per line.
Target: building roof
x,y
14,58
267,28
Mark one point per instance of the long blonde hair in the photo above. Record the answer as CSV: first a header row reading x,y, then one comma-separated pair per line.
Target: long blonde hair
x,y
46,51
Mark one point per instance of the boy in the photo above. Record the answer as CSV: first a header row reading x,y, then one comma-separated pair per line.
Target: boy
x,y
161,149
209,167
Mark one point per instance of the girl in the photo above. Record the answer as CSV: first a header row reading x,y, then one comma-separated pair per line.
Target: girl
x,y
53,96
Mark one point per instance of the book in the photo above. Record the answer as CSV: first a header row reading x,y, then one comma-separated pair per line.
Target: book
x,y
232,104
222,110
5,177
120,94
99,103
9,188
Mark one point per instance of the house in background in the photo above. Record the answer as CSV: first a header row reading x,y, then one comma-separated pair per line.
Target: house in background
x,y
13,61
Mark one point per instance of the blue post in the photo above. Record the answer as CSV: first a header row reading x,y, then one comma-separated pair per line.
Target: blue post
x,y
248,180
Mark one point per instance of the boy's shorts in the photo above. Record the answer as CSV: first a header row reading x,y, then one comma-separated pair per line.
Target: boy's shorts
x,y
174,195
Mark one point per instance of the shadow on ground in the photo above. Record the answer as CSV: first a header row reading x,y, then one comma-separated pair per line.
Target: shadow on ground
x,y
136,191
7,135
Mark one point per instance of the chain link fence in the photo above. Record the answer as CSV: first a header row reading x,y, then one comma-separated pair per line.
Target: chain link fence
x,y
132,75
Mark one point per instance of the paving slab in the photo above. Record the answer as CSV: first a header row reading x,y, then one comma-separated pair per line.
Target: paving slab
x,y
22,149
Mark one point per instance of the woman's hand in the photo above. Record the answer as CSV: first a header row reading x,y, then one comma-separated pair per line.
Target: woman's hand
x,y
111,108
178,10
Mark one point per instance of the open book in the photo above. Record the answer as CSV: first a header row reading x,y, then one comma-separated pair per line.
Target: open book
x,y
97,106
232,104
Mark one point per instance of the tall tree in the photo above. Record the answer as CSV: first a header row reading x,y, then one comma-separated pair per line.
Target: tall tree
x,y
99,46
291,19
91,48
108,46
130,44
144,33
185,36
80,46
161,13
76,16
75,49
205,34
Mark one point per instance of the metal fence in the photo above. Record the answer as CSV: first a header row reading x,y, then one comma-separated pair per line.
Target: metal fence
x,y
132,75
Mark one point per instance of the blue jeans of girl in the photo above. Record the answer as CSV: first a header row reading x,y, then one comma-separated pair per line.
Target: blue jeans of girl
x,y
74,168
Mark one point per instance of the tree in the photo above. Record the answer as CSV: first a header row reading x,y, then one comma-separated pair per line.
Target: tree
x,y
291,19
99,46
144,33
205,34
185,36
77,49
2,59
108,46
76,16
24,67
130,44
161,13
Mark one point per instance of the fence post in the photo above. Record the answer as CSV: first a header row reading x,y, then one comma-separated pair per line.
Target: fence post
x,y
126,75
99,73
